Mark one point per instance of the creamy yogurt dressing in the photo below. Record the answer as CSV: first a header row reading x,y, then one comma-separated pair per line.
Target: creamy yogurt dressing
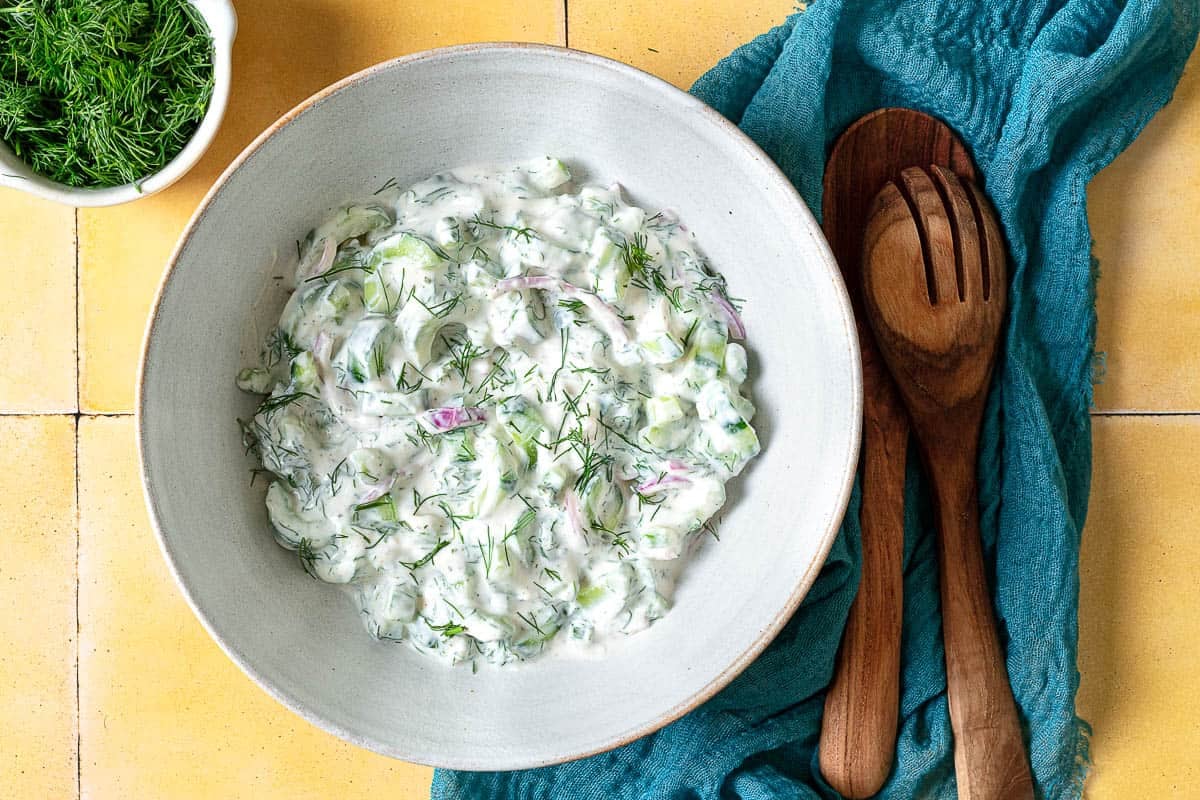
x,y
500,410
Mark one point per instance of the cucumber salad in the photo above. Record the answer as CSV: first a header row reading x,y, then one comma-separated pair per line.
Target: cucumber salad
x,y
500,409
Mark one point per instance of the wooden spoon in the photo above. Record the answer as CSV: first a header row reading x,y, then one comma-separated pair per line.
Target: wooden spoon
x,y
934,285
858,730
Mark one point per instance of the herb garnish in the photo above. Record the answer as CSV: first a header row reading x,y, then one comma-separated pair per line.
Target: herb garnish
x,y
102,92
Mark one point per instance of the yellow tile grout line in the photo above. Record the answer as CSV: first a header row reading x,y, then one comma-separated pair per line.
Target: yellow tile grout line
x,y
78,518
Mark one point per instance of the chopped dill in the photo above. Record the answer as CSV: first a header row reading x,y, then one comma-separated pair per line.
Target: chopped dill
x,y
102,92
419,501
425,559
273,404
525,234
391,184
448,629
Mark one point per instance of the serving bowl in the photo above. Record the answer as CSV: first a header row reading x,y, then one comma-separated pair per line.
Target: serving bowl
x,y
221,20
404,120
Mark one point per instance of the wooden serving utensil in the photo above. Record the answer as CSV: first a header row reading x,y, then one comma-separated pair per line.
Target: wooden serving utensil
x,y
935,289
858,730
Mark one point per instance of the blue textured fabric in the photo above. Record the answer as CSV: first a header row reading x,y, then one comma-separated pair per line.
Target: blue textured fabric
x,y
1045,93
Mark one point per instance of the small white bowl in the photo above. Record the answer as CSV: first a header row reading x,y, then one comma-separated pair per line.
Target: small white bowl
x,y
222,24
302,640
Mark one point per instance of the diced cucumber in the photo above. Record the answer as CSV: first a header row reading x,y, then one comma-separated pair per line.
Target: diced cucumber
x,y
370,463
665,437
735,362
256,380
661,348
706,353
354,221
304,372
497,476
364,356
419,332
547,173
663,411
603,503
386,287
524,425
589,595
335,301
661,542
610,275
406,250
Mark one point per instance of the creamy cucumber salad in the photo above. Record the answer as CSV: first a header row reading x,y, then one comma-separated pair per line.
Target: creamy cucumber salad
x,y
500,410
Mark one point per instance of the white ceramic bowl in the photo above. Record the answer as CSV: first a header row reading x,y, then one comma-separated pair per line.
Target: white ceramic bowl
x,y
406,119
222,24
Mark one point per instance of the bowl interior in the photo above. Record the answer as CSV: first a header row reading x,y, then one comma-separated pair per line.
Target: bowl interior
x,y
406,120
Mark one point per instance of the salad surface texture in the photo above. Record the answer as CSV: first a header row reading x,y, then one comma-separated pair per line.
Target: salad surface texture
x,y
501,410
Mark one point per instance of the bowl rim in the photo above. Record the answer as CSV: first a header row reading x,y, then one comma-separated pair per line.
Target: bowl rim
x,y
221,19
847,470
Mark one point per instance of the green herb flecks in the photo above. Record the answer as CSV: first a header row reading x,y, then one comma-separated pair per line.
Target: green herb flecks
x,y
518,232
102,92
273,404
425,559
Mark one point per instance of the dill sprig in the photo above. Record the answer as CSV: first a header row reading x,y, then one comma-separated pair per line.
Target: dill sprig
x,y
102,92
273,404
425,559
518,232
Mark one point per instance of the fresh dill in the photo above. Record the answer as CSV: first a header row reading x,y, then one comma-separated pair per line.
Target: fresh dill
x,y
384,505
391,184
463,353
447,629
419,500
102,92
273,404
308,557
350,263
452,517
486,556
635,256
531,621
406,385
518,232
565,335
425,559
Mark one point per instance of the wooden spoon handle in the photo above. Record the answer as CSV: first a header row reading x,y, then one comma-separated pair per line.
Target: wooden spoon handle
x,y
989,752
858,731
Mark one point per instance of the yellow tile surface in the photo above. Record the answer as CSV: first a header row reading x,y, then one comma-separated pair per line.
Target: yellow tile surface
x,y
1143,212
279,59
37,607
164,713
37,326
1139,628
676,45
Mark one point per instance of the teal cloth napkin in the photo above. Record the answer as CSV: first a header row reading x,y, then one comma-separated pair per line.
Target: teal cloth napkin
x,y
1045,93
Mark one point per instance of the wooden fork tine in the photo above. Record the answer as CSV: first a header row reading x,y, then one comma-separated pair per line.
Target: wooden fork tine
x,y
963,223
936,234
995,260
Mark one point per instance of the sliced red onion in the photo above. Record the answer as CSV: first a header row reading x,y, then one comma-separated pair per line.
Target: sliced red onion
x,y
377,490
574,518
737,329
656,485
326,260
451,418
